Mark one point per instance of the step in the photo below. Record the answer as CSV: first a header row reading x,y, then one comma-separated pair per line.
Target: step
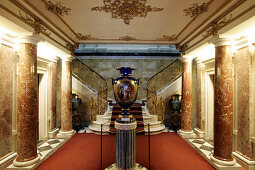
x,y
133,112
137,117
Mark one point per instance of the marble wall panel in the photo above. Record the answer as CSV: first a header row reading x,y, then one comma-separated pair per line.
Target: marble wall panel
x,y
243,58
145,68
6,99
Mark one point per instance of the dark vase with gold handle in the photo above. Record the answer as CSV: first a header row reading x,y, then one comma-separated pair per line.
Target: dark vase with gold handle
x,y
125,89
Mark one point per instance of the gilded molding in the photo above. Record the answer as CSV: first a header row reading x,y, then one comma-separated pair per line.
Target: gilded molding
x,y
122,126
72,47
215,26
126,9
182,48
57,8
34,22
196,9
127,38
85,37
168,38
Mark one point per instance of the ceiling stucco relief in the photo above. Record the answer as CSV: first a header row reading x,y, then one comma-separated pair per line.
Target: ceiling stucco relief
x,y
57,8
126,9
35,23
127,38
85,37
215,26
167,38
196,9
72,47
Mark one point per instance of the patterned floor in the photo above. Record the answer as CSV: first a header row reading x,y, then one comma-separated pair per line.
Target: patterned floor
x,y
205,148
46,148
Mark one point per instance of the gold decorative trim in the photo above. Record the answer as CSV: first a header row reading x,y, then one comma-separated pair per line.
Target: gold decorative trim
x,y
85,37
128,126
196,9
72,47
127,38
215,26
34,22
182,48
168,38
57,8
126,9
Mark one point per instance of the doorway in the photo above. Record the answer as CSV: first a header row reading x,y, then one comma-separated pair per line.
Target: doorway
x,y
42,127
209,107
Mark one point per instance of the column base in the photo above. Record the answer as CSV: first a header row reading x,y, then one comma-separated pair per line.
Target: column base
x,y
53,133
64,134
186,134
225,165
200,133
248,164
31,164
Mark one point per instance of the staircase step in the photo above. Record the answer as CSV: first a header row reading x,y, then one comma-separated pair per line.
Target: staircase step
x,y
137,117
133,112
136,106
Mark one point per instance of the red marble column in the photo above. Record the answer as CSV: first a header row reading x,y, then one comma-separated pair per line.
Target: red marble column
x,y
27,103
223,104
186,114
66,99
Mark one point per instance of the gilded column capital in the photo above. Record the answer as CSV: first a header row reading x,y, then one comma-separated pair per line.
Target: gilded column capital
x,y
67,58
30,39
218,41
185,58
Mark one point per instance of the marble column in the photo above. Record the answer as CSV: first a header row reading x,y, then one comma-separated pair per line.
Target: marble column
x,y
223,104
27,99
186,113
200,98
66,99
53,97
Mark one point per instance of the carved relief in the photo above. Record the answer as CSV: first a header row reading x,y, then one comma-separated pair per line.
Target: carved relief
x,y
84,37
126,9
127,38
196,9
182,48
215,26
57,8
34,22
168,38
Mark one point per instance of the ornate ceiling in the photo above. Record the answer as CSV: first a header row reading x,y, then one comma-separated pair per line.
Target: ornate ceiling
x,y
126,21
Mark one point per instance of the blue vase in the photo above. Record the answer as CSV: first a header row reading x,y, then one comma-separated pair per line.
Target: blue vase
x,y
125,89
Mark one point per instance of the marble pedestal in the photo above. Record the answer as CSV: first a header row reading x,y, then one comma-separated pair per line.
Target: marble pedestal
x,y
31,164
225,165
186,134
65,134
125,142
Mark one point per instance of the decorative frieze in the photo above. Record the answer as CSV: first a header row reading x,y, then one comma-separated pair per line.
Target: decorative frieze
x,y
127,38
172,37
85,37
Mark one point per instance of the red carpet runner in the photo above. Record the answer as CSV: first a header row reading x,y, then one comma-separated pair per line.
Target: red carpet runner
x,y
168,152
135,110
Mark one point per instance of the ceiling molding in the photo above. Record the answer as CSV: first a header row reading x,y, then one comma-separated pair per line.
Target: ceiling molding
x,y
127,38
167,38
127,10
82,37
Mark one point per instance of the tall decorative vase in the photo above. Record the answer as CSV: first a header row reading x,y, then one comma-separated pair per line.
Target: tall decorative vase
x,y
125,89
125,92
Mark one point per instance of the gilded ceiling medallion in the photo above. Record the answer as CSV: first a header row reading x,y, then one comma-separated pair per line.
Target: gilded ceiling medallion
x,y
85,37
168,38
215,26
127,38
196,9
34,22
57,8
126,9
